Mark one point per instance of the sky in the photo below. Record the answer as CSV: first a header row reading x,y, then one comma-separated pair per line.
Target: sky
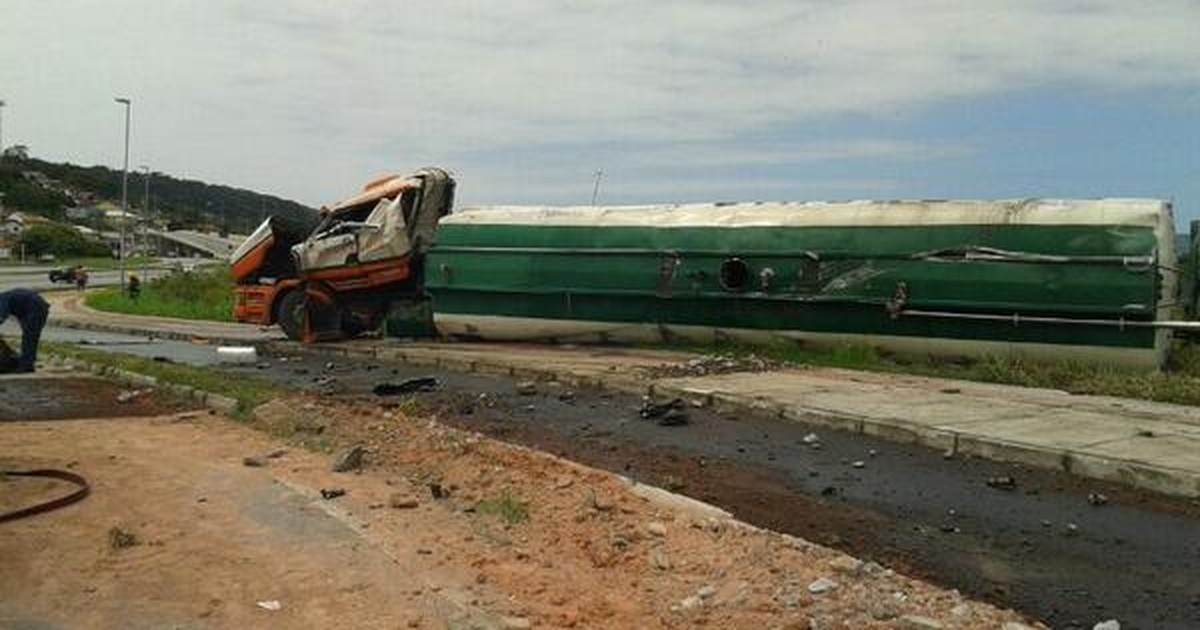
x,y
671,101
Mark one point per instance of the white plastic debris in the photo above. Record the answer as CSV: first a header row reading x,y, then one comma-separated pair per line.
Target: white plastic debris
x,y
237,354
270,604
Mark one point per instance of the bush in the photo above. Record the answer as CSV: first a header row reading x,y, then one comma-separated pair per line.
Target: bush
x,y
206,294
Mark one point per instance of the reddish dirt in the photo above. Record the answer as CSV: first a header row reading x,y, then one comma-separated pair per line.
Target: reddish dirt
x,y
54,397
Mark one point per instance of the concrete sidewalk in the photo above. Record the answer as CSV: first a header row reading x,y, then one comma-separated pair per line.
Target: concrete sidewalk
x,y
1144,444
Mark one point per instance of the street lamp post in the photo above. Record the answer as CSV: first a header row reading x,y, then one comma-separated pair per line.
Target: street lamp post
x,y
145,217
124,192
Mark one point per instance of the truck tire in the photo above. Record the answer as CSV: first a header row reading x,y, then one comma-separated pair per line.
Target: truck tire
x,y
291,314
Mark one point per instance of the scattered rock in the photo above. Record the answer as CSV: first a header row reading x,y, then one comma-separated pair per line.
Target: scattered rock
x,y
1071,530
951,390
438,491
332,493
564,482
706,592
690,603
602,503
656,528
811,439
349,459
515,623
917,622
270,604
660,560
1097,499
847,565
276,454
402,501
254,462
822,585
859,464
526,388
1012,625
1111,624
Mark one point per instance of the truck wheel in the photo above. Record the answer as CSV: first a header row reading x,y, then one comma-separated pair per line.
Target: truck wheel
x,y
291,314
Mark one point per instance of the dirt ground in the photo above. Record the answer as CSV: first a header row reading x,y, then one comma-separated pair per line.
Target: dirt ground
x,y
518,538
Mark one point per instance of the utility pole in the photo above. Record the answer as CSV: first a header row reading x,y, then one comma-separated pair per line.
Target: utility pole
x,y
596,187
124,192
145,218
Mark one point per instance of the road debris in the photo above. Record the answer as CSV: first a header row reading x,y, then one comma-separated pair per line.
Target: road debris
x,y
716,364
408,386
669,414
332,493
130,395
1003,482
526,388
1097,499
254,461
403,501
1111,624
272,605
349,459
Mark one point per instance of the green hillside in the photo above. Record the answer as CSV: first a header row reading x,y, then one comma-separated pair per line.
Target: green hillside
x,y
177,203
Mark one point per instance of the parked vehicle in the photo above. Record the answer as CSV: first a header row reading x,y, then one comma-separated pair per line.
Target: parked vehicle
x,y
66,274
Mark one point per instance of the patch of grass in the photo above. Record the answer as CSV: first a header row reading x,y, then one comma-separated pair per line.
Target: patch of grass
x,y
249,392
506,507
1179,383
121,539
206,294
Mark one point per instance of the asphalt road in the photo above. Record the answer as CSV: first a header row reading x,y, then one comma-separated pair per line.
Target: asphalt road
x,y
37,277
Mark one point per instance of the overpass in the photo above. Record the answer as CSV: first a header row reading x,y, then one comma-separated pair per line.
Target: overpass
x,y
191,243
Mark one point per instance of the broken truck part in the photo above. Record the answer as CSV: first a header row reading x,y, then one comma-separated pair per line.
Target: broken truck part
x,y
362,264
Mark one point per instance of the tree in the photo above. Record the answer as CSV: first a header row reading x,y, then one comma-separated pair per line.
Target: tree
x,y
60,240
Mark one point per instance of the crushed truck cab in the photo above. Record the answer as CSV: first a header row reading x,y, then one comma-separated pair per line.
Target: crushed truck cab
x,y
362,265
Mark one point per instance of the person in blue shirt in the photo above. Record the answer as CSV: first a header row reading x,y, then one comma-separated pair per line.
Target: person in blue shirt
x,y
31,311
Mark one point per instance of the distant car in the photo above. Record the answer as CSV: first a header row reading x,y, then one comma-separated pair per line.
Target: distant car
x,y
66,274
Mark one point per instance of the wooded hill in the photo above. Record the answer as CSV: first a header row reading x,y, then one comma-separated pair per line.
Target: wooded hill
x,y
177,203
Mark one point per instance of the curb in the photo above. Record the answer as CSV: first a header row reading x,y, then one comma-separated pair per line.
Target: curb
x,y
216,402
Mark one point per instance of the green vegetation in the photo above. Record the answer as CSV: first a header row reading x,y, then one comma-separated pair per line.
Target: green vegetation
x,y
59,240
1178,383
505,507
249,392
181,203
205,294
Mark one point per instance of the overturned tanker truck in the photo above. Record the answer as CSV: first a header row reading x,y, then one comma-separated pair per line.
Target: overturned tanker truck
x,y
1096,280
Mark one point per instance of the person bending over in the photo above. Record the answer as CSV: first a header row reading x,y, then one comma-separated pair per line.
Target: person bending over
x,y
31,311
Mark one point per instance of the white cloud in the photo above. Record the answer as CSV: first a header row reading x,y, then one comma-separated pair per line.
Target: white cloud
x,y
302,98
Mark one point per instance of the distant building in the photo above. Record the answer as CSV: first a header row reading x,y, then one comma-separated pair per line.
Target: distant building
x,y
13,225
80,213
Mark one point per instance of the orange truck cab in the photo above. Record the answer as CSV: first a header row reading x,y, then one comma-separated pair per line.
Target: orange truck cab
x,y
364,260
